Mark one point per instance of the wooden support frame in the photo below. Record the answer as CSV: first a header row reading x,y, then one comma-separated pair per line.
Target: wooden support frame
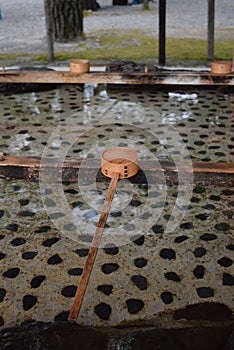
x,y
151,78
31,168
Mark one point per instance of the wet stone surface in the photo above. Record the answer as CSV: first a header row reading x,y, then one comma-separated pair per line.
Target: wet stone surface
x,y
44,245
153,273
202,118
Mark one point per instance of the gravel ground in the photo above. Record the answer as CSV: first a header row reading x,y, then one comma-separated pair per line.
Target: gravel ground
x,y
22,29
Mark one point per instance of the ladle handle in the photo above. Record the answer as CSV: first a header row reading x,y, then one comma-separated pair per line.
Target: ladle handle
x,y
75,309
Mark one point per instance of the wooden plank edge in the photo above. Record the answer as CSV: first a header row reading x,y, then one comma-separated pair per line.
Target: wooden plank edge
x,y
32,168
151,78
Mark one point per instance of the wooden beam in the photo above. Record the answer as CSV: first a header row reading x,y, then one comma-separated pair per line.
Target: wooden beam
x,y
210,29
49,30
162,33
152,78
31,167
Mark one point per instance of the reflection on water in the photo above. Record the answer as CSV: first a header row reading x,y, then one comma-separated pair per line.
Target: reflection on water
x,y
201,117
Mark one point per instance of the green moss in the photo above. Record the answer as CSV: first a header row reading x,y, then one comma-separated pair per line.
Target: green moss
x,y
8,57
139,46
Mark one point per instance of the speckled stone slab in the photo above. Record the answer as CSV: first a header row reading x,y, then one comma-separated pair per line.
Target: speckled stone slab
x,y
158,275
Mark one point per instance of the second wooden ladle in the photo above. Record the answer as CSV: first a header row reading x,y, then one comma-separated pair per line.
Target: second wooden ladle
x,y
117,163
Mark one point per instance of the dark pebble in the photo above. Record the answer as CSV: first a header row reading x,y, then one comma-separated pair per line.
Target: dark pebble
x,y
228,192
18,241
180,239
205,292
116,214
140,262
77,204
103,311
204,216
11,273
167,297
138,240
135,203
82,252
29,255
199,252
158,229
187,225
109,268
2,256
105,288
43,229
228,213
199,190
167,254
195,200
71,191
16,188
222,226
70,227
228,280
199,271
62,317
145,216
50,241
69,291
2,294
29,301
225,262
111,250
12,227
37,281
209,207
90,214
140,282
75,271
208,237
129,227
23,202
134,305
85,238
26,213
54,260
214,198
57,215
172,276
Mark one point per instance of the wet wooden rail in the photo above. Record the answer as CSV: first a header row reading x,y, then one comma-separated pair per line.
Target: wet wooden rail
x,y
170,77
204,173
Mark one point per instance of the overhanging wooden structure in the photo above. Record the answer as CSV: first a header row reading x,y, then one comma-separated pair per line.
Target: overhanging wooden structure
x,y
165,77
204,173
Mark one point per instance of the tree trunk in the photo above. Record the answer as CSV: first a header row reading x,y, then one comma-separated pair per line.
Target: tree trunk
x,y
67,17
49,31
146,4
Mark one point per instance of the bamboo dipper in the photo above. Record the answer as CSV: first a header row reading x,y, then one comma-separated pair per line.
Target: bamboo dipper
x,y
116,163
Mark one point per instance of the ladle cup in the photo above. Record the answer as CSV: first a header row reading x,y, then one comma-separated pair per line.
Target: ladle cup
x,y
116,163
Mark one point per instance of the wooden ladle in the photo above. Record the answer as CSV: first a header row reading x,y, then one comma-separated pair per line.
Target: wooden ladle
x,y
116,163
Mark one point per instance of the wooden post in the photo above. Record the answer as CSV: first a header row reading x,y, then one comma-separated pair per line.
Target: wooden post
x,y
49,31
210,29
162,32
